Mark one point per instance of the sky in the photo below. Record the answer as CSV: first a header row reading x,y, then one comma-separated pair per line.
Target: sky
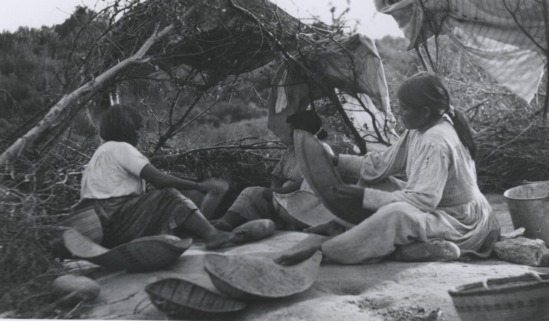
x,y
37,13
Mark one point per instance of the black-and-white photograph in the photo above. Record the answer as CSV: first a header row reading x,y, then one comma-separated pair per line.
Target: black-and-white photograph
x,y
266,160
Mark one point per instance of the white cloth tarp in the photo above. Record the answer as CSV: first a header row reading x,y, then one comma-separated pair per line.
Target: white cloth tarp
x,y
488,30
352,65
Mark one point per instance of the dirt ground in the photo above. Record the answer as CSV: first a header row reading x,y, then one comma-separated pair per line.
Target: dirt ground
x,y
389,290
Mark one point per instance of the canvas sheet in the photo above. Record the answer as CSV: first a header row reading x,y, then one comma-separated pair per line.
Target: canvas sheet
x,y
352,65
504,37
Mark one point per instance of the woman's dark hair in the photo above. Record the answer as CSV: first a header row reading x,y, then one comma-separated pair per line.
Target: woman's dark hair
x,y
308,120
121,123
426,89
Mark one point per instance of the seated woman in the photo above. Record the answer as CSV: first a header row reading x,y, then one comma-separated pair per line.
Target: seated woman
x,y
114,184
437,213
258,202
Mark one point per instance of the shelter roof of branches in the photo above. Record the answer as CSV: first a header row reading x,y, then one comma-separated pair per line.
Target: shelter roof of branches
x,y
220,38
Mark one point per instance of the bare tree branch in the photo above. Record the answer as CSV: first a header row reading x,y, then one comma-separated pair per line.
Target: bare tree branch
x,y
81,94
514,15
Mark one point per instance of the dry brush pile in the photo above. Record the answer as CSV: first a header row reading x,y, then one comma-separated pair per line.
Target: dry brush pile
x,y
514,148
36,196
33,197
511,135
242,163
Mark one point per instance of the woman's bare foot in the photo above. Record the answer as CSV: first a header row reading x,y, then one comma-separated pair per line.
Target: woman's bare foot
x,y
253,231
435,250
220,224
331,228
217,239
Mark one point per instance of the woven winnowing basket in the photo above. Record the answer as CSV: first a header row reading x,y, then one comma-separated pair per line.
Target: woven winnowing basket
x,y
520,298
140,255
183,299
150,253
86,221
322,176
247,277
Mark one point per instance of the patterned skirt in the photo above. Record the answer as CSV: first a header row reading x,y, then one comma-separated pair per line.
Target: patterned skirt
x,y
127,218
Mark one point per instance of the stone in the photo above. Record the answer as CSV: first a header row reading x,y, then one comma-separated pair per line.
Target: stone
x,y
522,250
75,288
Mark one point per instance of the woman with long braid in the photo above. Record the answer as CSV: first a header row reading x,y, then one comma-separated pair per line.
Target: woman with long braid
x,y
436,212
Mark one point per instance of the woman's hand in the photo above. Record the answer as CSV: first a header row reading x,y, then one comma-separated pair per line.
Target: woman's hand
x,y
348,193
268,194
213,186
289,187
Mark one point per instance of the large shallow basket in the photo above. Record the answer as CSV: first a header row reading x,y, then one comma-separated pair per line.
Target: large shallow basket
x,y
318,170
519,298
248,277
140,255
185,300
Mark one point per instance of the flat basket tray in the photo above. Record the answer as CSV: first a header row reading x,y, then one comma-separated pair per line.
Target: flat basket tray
x,y
142,254
248,277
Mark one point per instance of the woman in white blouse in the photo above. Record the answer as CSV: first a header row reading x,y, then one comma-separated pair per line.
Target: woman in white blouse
x,y
436,212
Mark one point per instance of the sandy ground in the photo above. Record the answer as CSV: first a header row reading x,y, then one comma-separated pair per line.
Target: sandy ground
x,y
383,291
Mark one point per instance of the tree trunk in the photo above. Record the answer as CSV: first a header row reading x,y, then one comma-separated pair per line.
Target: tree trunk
x,y
75,100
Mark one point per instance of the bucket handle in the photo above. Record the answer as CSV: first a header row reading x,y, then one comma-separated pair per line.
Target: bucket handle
x,y
532,274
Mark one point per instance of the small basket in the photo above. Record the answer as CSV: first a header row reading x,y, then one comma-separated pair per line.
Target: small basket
x,y
148,253
183,299
519,298
87,222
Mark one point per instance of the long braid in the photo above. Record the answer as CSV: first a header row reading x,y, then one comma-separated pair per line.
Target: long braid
x,y
465,134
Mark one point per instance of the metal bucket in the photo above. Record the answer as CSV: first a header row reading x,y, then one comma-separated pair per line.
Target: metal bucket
x,y
529,208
